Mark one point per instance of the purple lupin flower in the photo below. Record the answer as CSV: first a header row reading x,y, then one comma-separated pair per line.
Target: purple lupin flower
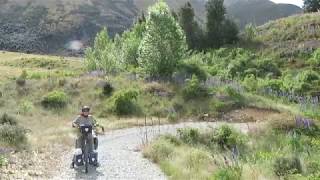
x,y
299,122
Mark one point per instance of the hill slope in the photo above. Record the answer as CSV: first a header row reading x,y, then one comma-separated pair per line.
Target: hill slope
x,y
259,11
292,36
48,26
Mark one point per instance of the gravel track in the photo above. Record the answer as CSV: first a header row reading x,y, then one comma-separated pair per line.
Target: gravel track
x,y
120,156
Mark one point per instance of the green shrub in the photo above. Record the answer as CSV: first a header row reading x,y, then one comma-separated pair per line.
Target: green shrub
x,y
250,32
159,150
55,99
189,136
237,99
227,174
194,89
62,82
13,135
3,161
107,89
21,80
221,106
313,166
308,76
173,117
250,82
267,68
6,119
274,84
315,60
306,81
124,102
197,159
285,166
190,68
227,137
172,139
25,107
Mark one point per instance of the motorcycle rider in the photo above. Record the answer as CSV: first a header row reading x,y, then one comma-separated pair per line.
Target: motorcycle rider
x,y
86,119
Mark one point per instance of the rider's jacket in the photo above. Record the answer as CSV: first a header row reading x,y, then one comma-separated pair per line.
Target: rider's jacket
x,y
82,120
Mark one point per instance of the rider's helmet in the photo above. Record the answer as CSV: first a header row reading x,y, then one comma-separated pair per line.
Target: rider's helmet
x,y
85,109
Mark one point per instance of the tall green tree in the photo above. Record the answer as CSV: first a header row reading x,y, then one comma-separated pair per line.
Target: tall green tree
x,y
163,44
220,30
311,5
102,56
215,17
190,26
130,44
229,32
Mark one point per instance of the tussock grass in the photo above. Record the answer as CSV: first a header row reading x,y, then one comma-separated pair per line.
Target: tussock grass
x,y
270,153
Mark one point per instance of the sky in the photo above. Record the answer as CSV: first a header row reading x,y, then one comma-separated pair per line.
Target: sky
x,y
296,2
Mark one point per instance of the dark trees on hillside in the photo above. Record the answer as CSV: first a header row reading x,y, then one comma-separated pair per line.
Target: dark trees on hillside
x,y
190,26
311,5
229,32
215,17
220,30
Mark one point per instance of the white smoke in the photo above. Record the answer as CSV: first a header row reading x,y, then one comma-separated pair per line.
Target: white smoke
x,y
74,45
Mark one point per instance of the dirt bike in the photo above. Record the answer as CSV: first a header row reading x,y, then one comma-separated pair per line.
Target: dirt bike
x,y
83,157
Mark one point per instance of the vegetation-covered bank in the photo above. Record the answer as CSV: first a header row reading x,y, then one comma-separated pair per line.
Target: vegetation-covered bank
x,y
270,152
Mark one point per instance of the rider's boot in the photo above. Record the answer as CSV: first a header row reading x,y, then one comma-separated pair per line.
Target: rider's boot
x,y
97,165
72,165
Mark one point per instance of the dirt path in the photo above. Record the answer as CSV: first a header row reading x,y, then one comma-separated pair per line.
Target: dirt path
x,y
120,157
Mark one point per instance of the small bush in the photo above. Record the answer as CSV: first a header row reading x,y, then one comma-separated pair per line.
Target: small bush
x,y
250,83
55,99
172,139
25,107
6,119
266,67
62,82
313,167
194,89
124,102
13,135
172,117
107,89
21,80
192,68
197,159
274,84
220,106
227,174
3,161
159,150
286,166
236,98
227,137
315,60
189,135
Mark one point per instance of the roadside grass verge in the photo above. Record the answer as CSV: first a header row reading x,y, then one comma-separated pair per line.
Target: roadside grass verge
x,y
270,153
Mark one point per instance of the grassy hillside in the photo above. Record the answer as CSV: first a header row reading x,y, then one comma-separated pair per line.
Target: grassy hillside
x,y
293,36
259,12
48,26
